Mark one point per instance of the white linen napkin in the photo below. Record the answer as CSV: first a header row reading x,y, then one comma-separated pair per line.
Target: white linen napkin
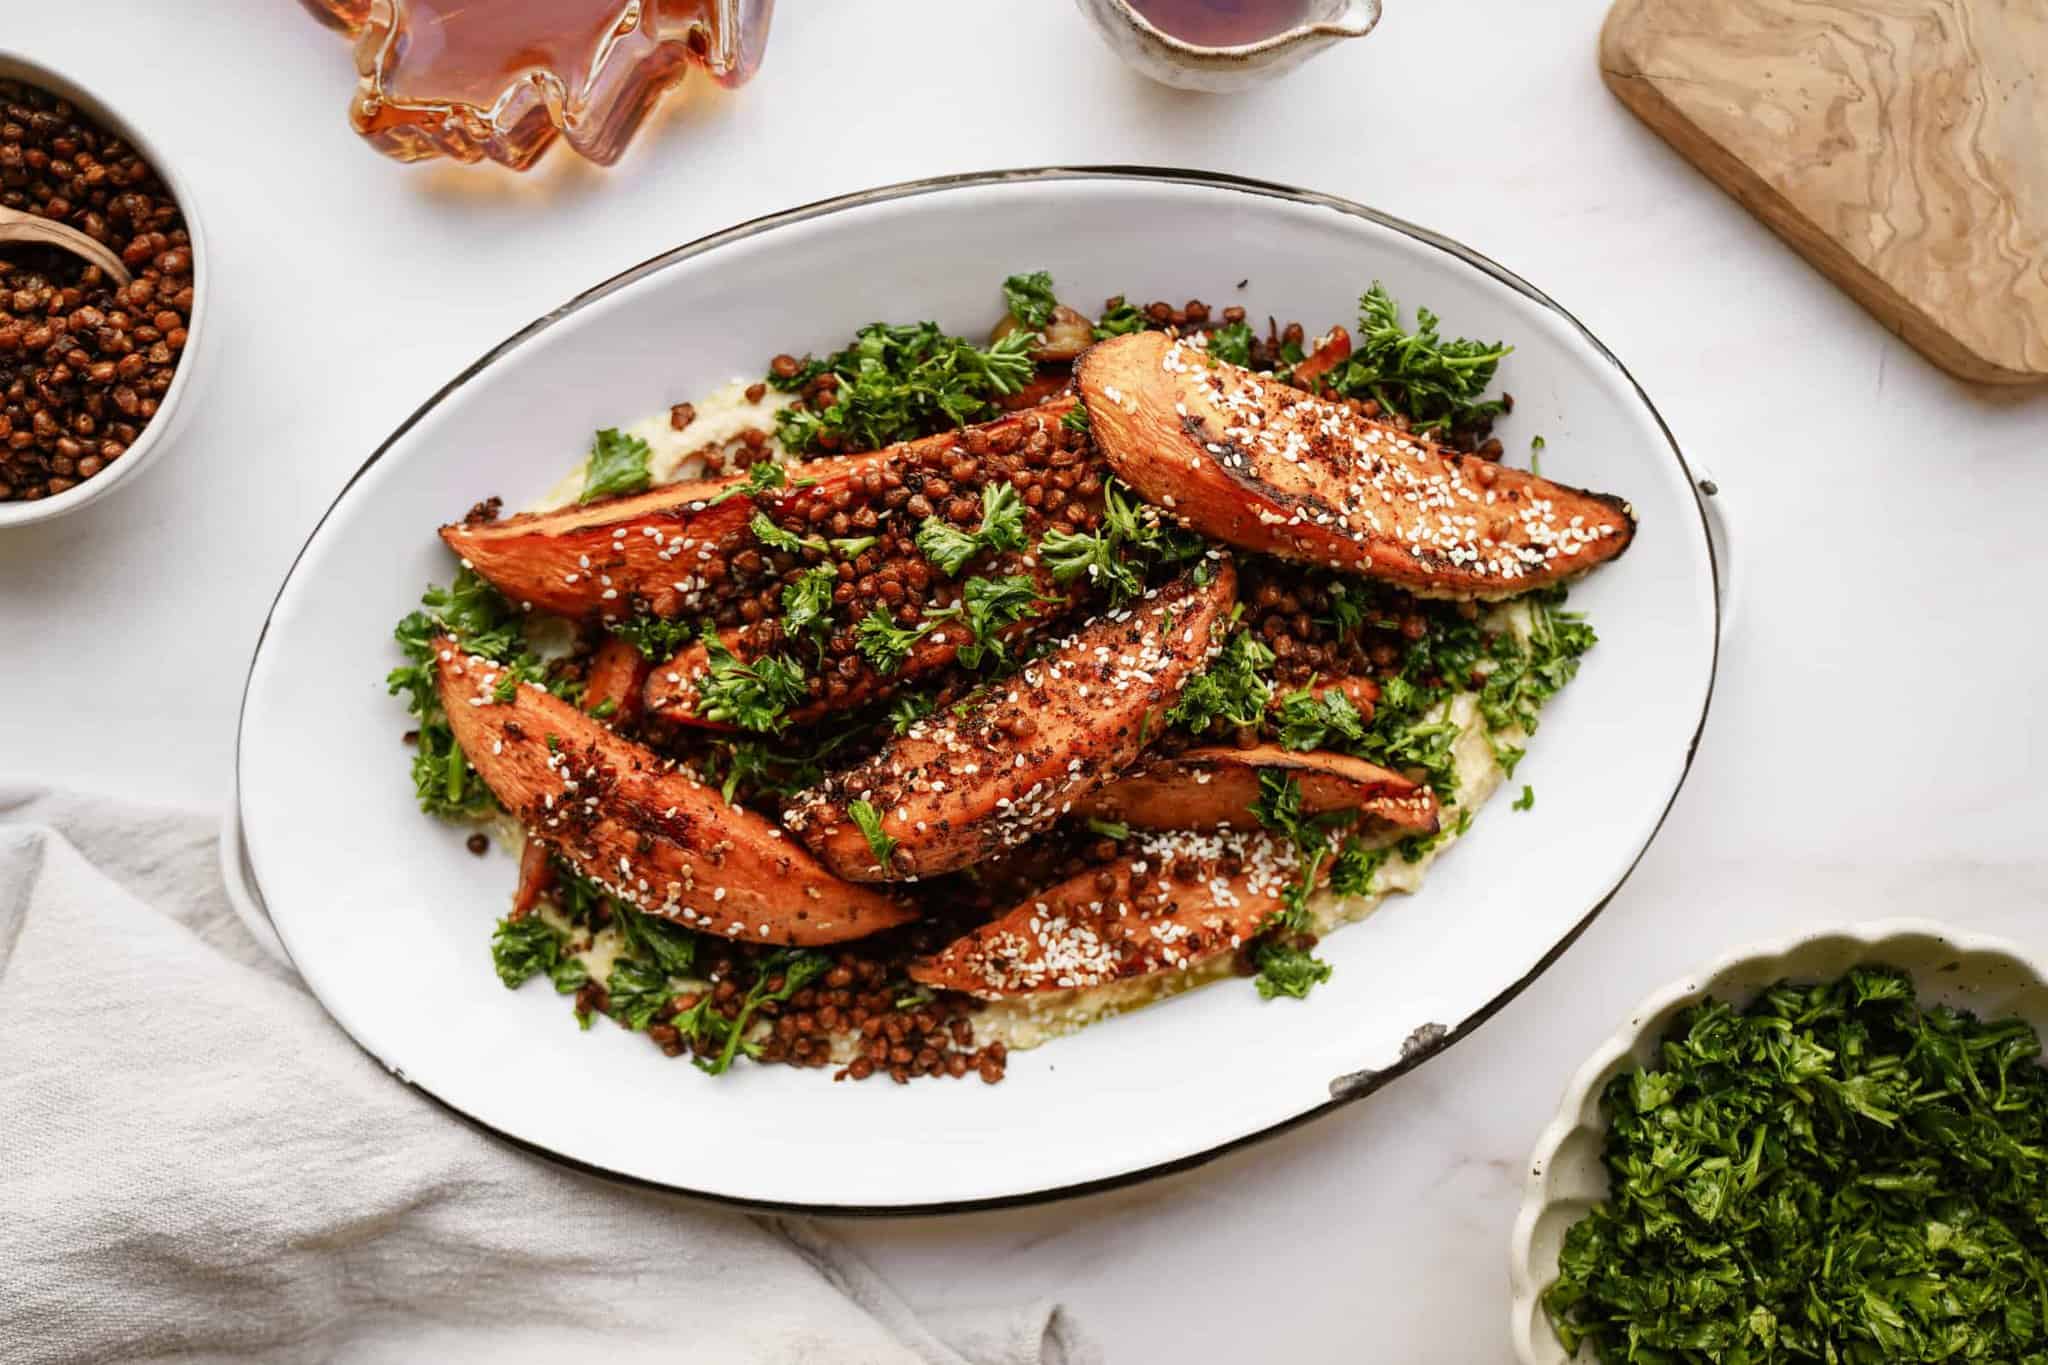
x,y
195,1163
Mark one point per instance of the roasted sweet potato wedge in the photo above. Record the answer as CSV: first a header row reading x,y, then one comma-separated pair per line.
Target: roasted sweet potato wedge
x,y
615,683
954,789
1332,349
1216,787
644,828
1254,463
1144,911
1052,478
536,878
644,552
672,689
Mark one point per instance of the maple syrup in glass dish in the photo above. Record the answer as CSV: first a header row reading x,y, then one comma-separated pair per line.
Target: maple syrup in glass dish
x,y
1224,23
503,79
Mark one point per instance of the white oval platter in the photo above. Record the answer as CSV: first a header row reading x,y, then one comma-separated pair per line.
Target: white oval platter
x,y
388,917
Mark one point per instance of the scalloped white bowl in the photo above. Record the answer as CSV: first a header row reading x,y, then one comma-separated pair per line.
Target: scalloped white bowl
x,y
1991,977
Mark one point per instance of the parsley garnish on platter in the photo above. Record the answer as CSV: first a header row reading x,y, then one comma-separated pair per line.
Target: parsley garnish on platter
x,y
807,602
1232,342
779,538
753,696
1235,689
618,464
1837,1173
794,968
655,638
1119,318
948,548
883,643
1286,966
1436,384
1133,538
1030,298
987,607
522,949
485,623
901,381
1312,721
870,823
763,476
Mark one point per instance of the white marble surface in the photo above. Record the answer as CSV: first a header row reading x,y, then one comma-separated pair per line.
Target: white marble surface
x,y
1877,734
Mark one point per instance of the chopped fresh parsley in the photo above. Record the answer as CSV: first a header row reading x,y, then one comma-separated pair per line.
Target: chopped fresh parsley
x,y
781,538
763,476
1286,967
522,949
870,822
796,968
1118,319
1232,342
907,710
883,643
1030,298
1352,873
1838,1172
1436,384
1416,847
618,464
662,942
1312,721
1527,800
655,638
807,602
485,623
1235,689
902,381
1002,528
635,992
988,606
1108,829
852,547
1526,676
1289,971
1347,608
755,696
748,767
1076,418
1131,540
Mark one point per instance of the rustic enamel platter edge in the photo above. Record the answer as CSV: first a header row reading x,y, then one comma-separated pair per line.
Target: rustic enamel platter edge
x,y
387,917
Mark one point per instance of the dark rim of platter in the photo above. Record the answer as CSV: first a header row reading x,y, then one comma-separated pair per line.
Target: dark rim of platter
x,y
1428,1041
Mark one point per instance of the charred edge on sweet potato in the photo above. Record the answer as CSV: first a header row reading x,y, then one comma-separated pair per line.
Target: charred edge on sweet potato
x,y
643,828
954,789
1252,462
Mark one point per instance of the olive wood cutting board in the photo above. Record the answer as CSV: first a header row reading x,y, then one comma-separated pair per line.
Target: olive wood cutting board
x,y
1899,145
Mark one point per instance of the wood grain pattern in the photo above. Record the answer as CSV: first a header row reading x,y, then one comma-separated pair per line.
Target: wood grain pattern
x,y
1899,145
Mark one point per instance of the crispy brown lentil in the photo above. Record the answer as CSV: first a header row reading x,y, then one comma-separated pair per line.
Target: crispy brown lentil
x,y
83,362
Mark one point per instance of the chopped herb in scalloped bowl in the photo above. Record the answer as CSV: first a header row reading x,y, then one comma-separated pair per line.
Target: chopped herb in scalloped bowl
x,y
1830,1150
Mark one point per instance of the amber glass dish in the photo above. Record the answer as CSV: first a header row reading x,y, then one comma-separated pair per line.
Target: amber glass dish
x,y
503,80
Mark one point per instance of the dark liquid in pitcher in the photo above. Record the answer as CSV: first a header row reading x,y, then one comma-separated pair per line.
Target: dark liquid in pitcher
x,y
1223,23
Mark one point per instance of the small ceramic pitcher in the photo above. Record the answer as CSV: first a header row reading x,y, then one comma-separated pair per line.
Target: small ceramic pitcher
x,y
1190,66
